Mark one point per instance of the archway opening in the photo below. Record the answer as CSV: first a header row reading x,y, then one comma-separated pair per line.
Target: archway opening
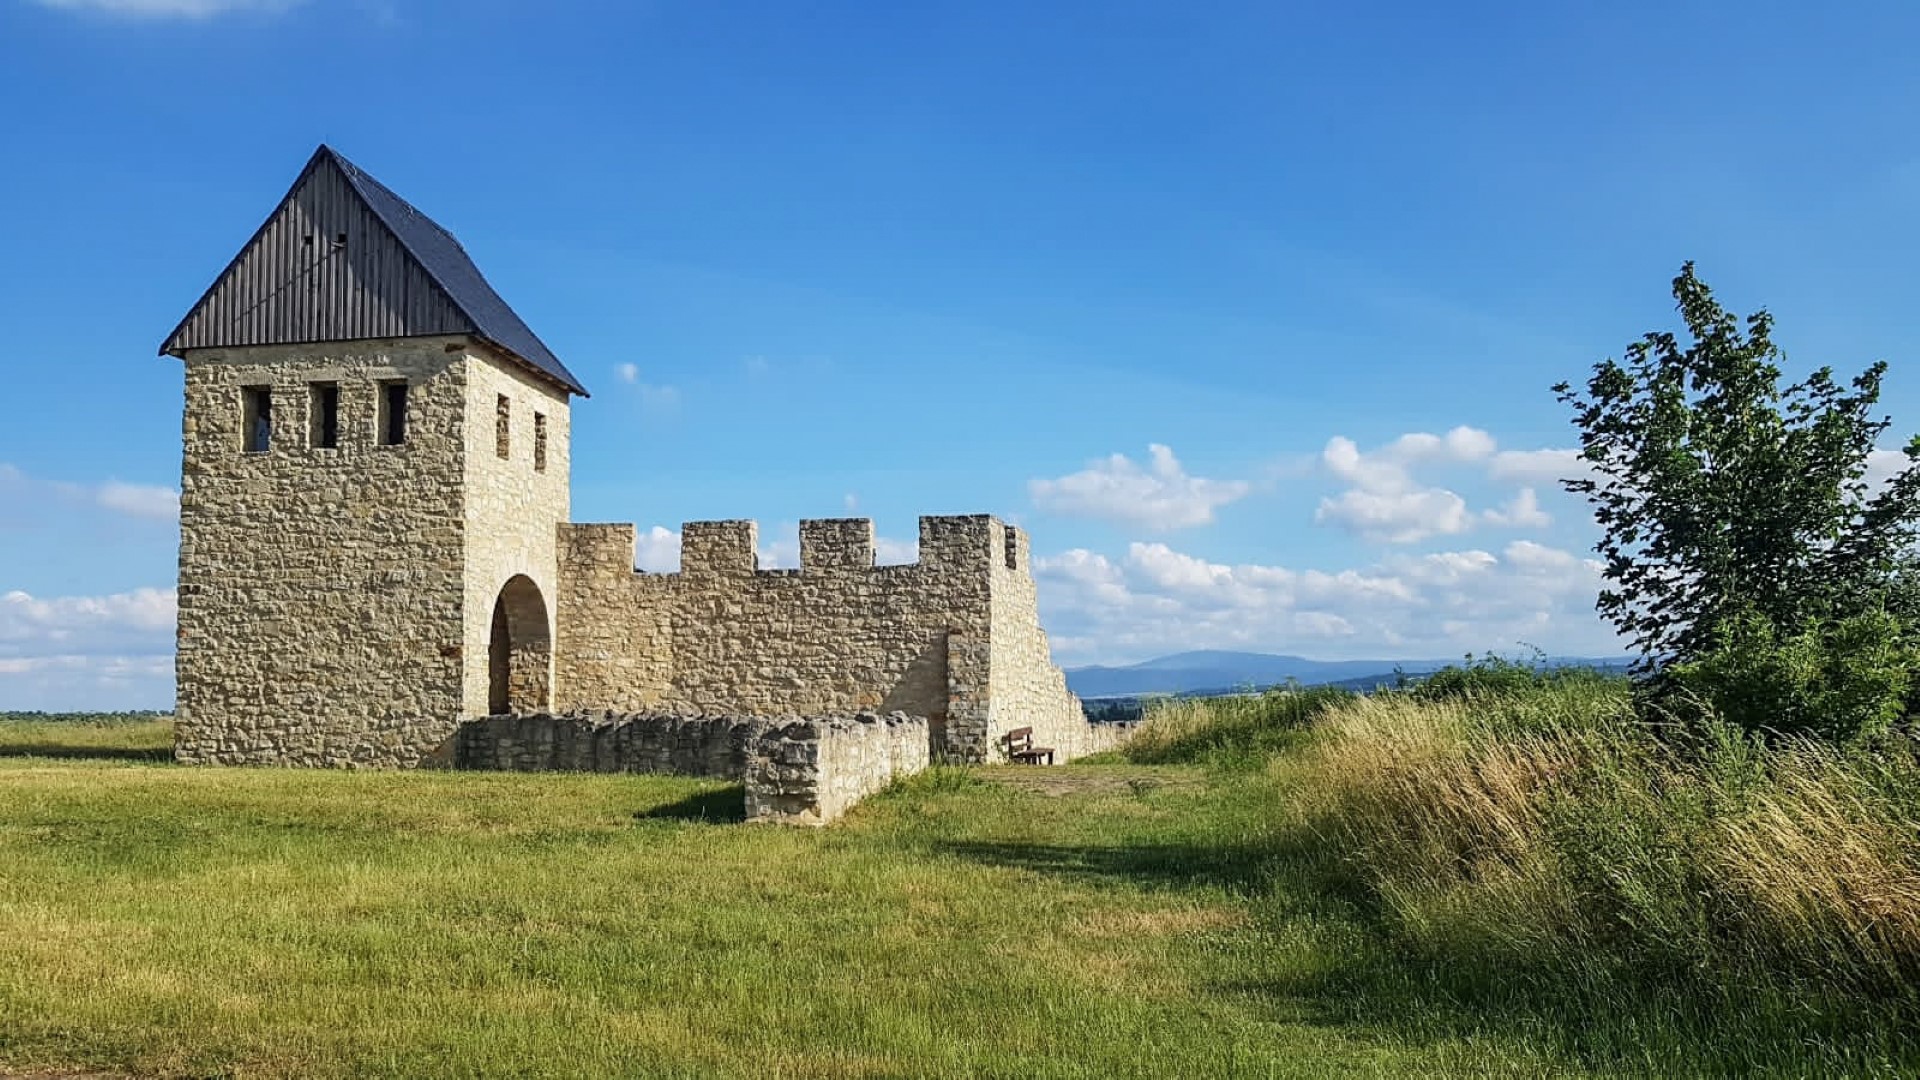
x,y
519,651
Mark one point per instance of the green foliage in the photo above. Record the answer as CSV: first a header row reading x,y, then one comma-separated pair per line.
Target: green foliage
x,y
1234,731
1835,679
1722,492
1491,675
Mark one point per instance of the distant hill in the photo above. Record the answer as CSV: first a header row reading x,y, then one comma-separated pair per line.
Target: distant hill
x,y
1214,671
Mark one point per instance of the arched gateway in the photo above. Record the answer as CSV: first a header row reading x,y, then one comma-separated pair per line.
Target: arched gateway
x,y
520,652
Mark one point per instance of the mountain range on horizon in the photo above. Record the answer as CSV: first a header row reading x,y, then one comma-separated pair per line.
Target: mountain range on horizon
x,y
1220,670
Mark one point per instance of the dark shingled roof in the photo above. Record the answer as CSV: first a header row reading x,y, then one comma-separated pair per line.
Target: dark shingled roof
x,y
445,262
448,264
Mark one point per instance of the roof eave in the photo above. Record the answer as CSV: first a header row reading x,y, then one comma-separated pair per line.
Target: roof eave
x,y
531,368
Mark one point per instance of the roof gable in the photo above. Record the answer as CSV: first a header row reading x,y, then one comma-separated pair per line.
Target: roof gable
x,y
343,258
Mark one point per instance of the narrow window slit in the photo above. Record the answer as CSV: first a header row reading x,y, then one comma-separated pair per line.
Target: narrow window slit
x,y
392,421
323,413
502,426
539,442
256,418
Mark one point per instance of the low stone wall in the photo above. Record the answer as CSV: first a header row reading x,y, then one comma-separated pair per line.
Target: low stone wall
x,y
801,771
809,772
1104,735
717,746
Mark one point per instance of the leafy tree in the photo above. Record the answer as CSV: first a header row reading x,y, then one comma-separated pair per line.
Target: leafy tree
x,y
1725,496
1840,679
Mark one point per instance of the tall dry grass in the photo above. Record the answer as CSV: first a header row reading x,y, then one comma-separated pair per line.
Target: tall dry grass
x,y
1547,842
1240,730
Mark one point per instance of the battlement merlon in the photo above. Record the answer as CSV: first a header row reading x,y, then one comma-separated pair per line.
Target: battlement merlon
x,y
954,542
715,548
960,541
836,545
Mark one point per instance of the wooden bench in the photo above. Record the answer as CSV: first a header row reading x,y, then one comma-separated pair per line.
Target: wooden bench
x,y
1021,751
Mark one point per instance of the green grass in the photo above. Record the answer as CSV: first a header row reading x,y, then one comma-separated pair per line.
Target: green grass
x,y
1380,888
1530,860
104,735
1115,921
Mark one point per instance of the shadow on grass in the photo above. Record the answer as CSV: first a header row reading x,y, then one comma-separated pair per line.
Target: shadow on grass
x,y
1159,866
720,806
83,752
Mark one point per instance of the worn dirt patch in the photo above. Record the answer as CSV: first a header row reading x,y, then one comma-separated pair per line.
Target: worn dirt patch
x,y
1054,780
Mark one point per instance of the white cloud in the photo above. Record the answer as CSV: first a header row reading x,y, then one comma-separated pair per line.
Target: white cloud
x,y
28,623
140,500
73,683
890,552
1386,502
1389,468
1883,465
782,554
1157,600
1549,466
1160,496
1522,512
654,397
657,550
170,9
1396,517
24,496
87,652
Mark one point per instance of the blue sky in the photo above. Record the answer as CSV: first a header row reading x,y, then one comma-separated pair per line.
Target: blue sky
x,y
1247,312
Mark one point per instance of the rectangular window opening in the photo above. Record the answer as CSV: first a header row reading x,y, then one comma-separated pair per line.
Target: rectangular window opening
x,y
393,413
502,426
1013,548
323,415
539,442
256,418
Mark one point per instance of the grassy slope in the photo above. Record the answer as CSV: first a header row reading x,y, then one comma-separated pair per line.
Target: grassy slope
x,y
166,920
1533,862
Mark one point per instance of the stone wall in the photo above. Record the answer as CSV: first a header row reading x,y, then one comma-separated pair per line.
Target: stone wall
x,y
511,513
795,771
1026,688
954,637
321,589
354,604
715,746
837,636
810,772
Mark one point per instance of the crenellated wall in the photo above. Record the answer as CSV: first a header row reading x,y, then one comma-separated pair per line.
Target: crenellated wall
x,y
954,638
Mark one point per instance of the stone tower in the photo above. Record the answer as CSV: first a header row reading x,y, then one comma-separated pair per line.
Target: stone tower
x,y
374,474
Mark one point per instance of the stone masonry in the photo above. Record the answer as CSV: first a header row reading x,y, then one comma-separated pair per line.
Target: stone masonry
x,y
376,551
796,771
954,638
354,605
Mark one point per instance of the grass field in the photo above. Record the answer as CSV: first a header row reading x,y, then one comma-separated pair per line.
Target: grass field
x,y
1107,920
